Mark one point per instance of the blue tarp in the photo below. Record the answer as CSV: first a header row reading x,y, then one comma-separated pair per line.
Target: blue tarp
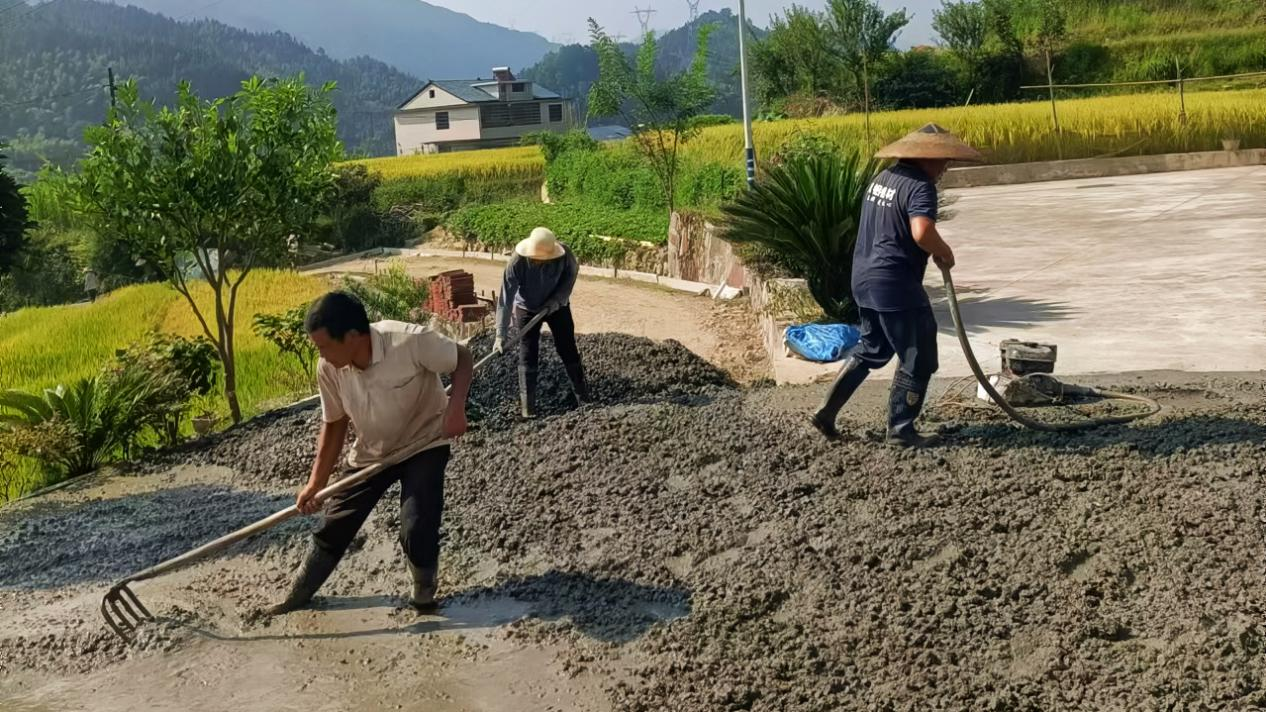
x,y
822,342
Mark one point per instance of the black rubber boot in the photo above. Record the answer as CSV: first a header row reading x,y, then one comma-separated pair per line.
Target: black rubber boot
x,y
905,402
527,391
315,570
576,373
852,374
425,585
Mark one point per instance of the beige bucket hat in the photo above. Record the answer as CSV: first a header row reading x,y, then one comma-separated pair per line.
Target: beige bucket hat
x,y
931,142
542,244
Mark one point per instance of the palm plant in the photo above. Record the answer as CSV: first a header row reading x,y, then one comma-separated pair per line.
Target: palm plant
x,y
806,210
106,415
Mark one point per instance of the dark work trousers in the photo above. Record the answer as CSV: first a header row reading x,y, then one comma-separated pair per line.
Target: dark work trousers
x,y
910,335
561,327
421,480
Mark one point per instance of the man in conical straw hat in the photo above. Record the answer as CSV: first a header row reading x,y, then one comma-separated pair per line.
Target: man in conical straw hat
x,y
539,279
896,235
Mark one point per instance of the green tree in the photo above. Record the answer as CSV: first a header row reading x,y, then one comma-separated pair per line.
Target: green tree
x,y
964,26
861,33
1047,33
14,221
212,188
796,57
806,210
658,110
920,78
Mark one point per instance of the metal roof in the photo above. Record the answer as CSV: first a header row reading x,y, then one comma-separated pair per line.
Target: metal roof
x,y
468,90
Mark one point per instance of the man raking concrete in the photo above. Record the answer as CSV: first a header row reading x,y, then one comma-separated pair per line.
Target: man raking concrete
x,y
383,379
539,280
403,361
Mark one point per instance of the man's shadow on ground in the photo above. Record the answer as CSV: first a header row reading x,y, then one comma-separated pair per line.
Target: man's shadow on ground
x,y
603,609
981,311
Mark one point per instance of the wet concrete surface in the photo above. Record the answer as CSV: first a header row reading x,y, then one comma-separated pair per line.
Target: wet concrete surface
x,y
682,544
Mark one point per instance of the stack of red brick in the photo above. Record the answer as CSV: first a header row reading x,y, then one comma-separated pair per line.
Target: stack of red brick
x,y
453,297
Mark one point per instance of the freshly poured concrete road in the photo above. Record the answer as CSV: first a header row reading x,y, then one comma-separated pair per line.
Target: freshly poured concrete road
x,y
1139,273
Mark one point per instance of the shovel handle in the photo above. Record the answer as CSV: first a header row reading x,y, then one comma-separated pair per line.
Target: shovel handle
x,y
292,511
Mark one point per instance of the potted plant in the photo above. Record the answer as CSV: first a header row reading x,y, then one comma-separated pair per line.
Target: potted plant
x,y
204,423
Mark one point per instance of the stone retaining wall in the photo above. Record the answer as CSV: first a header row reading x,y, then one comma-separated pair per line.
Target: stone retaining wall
x,y
1016,173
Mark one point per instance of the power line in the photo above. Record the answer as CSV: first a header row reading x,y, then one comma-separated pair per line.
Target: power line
x,y
7,8
30,12
188,15
38,100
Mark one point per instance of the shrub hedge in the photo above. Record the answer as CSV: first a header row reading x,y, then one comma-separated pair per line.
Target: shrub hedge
x,y
577,224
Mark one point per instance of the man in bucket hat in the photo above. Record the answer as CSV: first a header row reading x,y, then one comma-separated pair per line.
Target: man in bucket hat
x,y
539,279
896,235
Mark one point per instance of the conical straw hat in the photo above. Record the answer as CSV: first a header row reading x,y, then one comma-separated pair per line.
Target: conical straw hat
x,y
932,143
540,245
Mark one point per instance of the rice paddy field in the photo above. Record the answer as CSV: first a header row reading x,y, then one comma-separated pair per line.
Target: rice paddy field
x,y
517,162
44,347
1133,124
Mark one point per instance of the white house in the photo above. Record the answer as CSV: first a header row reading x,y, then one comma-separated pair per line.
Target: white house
x,y
459,115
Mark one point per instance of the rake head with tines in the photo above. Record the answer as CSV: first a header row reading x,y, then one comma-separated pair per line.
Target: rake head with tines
x,y
123,611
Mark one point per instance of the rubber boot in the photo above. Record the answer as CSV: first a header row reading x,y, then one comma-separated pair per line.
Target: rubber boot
x,y
315,570
425,584
527,391
905,402
850,378
576,373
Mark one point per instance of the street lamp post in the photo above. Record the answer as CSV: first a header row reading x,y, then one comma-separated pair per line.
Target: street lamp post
x,y
750,151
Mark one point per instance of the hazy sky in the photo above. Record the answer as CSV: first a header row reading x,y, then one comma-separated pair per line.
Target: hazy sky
x,y
565,20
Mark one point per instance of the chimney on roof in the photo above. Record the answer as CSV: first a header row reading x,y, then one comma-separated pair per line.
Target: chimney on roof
x,y
502,74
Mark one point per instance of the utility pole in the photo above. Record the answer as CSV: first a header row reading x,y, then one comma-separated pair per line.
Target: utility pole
x,y
1050,84
113,97
1182,95
749,146
643,17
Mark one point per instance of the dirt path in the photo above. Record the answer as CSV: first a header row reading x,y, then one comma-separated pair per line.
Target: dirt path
x,y
685,545
724,333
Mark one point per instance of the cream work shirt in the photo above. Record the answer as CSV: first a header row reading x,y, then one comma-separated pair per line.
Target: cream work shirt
x,y
399,400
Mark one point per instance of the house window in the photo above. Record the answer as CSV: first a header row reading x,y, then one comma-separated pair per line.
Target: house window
x,y
555,113
432,95
506,115
441,120
518,87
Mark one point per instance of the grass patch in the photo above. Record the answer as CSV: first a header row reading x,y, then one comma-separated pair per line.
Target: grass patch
x,y
44,347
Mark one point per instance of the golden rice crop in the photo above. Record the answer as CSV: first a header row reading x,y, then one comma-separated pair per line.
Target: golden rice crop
x,y
263,373
44,347
1014,133
1133,124
516,162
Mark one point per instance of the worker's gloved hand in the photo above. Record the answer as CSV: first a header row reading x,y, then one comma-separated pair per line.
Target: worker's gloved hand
x,y
498,346
551,307
945,261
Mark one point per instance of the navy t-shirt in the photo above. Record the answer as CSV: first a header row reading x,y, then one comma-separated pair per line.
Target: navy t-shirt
x,y
888,266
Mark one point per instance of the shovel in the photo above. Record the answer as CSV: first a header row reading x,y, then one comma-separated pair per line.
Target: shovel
x,y
123,611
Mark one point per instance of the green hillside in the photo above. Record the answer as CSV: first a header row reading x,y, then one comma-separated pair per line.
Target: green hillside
x,y
55,63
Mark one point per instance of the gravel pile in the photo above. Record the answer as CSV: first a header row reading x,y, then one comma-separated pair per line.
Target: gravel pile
x,y
1119,569
279,446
